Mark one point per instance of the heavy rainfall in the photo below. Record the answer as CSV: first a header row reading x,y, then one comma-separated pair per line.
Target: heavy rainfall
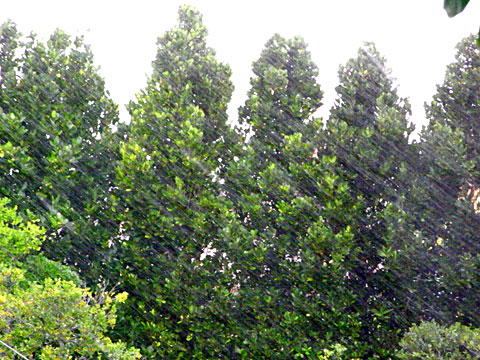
x,y
183,234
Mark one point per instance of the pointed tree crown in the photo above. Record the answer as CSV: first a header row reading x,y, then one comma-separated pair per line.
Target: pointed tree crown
x,y
186,66
284,91
457,101
363,80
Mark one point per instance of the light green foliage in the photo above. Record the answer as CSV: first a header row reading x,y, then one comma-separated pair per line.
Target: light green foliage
x,y
432,341
38,268
57,319
49,319
17,237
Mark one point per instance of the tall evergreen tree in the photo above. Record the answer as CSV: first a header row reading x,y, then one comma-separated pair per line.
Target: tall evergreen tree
x,y
56,161
169,204
369,114
448,186
184,60
283,95
456,106
368,132
292,302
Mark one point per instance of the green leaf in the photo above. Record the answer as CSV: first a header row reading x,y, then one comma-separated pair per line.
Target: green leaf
x,y
454,7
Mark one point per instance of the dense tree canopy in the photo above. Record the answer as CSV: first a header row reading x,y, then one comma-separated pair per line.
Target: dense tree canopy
x,y
55,161
277,236
168,203
450,162
299,211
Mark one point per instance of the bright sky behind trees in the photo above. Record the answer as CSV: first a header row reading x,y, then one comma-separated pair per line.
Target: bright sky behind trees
x,y
416,37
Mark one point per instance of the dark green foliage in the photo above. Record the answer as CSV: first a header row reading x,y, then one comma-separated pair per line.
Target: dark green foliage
x,y
287,238
187,67
368,129
445,192
293,278
283,96
55,109
168,203
434,228
457,104
455,7
368,132
298,209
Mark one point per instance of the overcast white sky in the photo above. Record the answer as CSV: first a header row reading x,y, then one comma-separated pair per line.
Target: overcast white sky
x,y
416,36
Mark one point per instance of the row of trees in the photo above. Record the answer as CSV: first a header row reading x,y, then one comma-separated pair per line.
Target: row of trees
x,y
282,237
